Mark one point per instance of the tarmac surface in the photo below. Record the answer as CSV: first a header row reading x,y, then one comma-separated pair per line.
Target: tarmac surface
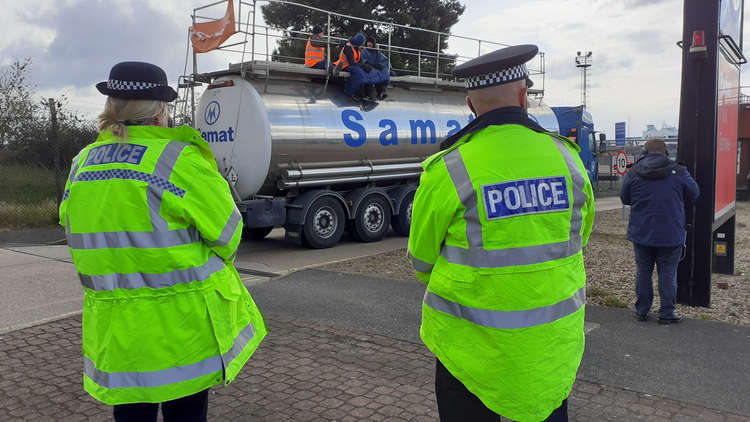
x,y
345,348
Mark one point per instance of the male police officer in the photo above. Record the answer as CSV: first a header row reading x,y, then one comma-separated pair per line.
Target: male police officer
x,y
499,221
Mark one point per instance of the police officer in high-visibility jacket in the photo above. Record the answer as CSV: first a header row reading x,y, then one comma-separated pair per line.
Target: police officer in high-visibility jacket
x,y
498,224
153,232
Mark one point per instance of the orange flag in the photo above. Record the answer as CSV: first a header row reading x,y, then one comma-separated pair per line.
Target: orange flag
x,y
207,36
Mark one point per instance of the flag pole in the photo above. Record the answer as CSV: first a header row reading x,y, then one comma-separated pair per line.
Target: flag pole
x,y
192,81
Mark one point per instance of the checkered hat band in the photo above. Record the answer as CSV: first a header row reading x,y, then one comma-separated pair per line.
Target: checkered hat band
x,y
131,85
510,74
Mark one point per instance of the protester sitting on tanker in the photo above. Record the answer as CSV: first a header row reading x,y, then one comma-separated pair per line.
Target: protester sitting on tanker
x,y
380,75
165,314
315,50
656,189
350,59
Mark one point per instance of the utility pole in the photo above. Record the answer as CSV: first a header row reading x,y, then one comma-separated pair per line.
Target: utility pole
x,y
583,61
53,137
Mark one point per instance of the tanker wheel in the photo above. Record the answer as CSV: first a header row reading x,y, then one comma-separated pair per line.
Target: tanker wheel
x,y
402,221
372,219
255,233
324,223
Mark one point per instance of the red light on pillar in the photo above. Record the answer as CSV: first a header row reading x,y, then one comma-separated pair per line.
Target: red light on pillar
x,y
699,41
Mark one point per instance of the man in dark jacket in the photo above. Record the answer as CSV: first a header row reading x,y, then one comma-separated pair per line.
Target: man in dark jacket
x,y
656,189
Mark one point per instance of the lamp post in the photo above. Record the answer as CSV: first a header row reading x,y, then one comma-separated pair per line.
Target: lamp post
x,y
583,61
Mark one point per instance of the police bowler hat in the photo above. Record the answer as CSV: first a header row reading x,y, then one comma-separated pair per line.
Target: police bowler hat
x,y
137,81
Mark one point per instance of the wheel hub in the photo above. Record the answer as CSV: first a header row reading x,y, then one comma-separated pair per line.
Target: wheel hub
x,y
325,222
373,217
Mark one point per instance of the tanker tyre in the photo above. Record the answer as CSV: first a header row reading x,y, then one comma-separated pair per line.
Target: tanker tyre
x,y
324,223
255,233
402,221
372,219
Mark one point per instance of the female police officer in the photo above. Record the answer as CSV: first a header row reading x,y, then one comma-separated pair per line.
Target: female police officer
x,y
153,232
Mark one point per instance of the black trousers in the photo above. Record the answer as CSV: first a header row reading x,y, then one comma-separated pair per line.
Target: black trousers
x,y
185,409
458,404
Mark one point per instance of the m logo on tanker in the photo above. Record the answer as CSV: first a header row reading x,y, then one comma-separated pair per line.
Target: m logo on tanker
x,y
211,116
422,131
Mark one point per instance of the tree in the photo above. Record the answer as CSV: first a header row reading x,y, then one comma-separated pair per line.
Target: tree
x,y
435,15
25,122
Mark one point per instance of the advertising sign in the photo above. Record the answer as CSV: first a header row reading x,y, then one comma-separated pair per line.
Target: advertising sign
x,y
727,114
731,20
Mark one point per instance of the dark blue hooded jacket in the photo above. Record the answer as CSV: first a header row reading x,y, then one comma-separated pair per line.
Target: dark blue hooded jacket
x,y
656,189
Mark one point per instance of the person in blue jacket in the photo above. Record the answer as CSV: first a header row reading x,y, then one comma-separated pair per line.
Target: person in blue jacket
x,y
381,72
656,188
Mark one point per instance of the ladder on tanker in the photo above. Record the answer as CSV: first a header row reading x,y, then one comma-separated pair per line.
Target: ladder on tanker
x,y
256,62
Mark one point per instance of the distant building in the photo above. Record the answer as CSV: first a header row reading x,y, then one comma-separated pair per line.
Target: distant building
x,y
666,132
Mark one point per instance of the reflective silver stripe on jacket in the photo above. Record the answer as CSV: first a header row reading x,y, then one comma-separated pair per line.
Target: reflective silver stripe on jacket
x,y
154,281
158,182
229,228
159,239
477,256
240,342
508,319
419,265
170,375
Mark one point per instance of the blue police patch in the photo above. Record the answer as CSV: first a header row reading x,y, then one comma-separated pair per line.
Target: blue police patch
x,y
527,196
116,153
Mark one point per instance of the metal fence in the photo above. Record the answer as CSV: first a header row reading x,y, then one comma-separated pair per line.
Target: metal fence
x,y
31,192
34,166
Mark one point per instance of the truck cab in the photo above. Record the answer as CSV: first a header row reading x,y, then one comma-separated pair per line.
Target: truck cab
x,y
577,124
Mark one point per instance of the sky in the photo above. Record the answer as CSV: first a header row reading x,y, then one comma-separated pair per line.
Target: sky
x,y
634,77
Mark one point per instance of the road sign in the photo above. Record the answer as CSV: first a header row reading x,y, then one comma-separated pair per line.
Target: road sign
x,y
620,130
620,134
621,163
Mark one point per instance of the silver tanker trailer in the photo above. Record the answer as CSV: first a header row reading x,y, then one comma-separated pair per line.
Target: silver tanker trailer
x,y
300,154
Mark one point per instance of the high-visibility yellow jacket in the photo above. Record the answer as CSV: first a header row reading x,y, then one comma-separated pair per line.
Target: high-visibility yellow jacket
x,y
153,232
498,224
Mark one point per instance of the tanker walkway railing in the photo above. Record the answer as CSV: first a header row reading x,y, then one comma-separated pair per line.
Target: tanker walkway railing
x,y
432,63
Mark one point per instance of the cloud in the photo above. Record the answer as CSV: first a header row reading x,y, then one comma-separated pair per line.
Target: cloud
x,y
91,36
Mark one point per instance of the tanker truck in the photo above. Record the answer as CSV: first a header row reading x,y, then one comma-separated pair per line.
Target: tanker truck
x,y
301,155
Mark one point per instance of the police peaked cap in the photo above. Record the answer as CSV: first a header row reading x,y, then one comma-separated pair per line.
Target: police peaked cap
x,y
137,81
497,68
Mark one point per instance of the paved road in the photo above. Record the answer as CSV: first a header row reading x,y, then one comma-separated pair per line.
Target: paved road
x,y
39,283
339,348
699,362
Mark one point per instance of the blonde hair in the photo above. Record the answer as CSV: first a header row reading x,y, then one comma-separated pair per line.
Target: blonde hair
x,y
118,111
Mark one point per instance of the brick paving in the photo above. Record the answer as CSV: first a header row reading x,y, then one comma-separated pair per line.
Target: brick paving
x,y
303,371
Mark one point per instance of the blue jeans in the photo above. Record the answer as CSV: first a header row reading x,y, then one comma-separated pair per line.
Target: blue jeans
x,y
666,260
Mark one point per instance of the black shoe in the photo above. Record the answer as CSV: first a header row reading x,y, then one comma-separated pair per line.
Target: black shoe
x,y
672,319
356,98
640,317
382,96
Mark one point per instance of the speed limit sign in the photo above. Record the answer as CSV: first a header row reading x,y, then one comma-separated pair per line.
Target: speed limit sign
x,y
621,162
